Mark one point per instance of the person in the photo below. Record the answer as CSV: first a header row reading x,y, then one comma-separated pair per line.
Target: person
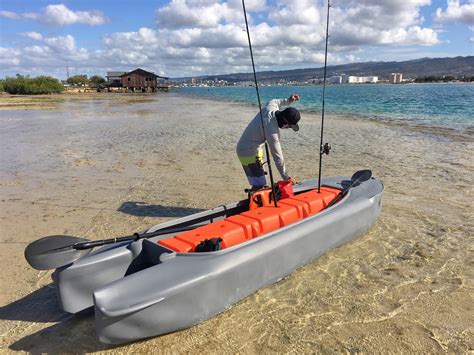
x,y
250,146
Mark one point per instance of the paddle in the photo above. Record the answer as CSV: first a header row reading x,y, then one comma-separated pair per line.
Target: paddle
x,y
356,179
54,251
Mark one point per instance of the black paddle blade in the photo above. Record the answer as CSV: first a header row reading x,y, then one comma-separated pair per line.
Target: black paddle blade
x,y
54,251
361,176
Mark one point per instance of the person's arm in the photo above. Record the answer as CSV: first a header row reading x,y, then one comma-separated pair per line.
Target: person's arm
x,y
277,154
274,105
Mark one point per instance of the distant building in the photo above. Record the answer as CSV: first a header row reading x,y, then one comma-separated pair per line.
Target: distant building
x,y
141,80
335,79
371,79
396,78
350,79
114,78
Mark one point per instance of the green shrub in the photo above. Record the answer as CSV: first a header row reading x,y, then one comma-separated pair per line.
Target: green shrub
x,y
24,85
96,80
1,86
78,80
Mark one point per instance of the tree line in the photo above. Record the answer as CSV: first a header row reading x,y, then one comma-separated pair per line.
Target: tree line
x,y
25,85
443,79
82,80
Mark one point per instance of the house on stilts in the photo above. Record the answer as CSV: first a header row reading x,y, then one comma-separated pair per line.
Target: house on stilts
x,y
137,80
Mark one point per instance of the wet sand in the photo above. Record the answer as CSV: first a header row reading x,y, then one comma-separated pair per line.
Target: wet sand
x,y
111,165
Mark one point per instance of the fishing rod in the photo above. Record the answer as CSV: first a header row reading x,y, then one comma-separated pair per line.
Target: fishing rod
x,y
267,152
324,149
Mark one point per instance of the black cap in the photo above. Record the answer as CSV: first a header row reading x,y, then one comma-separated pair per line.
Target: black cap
x,y
292,116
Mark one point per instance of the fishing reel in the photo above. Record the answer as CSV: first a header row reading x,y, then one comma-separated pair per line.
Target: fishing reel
x,y
325,149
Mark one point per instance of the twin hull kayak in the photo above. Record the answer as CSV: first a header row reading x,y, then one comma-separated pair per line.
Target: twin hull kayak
x,y
142,289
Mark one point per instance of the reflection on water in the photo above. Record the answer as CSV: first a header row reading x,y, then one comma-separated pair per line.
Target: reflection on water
x,y
108,170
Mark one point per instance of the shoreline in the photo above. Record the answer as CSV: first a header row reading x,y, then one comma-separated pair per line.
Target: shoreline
x,y
461,134
33,102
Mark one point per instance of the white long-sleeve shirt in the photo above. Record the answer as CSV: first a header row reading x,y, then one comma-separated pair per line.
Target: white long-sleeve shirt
x,y
252,138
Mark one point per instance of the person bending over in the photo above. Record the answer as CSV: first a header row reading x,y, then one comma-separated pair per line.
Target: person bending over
x,y
250,146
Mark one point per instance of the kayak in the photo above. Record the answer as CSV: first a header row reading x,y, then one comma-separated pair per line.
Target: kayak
x,y
158,285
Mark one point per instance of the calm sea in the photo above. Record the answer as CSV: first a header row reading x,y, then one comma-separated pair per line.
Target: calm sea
x,y
444,105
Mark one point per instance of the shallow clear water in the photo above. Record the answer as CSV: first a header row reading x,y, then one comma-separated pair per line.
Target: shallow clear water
x,y
106,168
445,105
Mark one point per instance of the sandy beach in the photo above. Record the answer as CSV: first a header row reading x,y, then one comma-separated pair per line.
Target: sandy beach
x,y
105,165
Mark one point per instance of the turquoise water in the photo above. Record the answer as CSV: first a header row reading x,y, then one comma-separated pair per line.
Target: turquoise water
x,y
443,105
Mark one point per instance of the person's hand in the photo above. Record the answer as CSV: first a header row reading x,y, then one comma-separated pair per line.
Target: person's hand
x,y
292,180
293,98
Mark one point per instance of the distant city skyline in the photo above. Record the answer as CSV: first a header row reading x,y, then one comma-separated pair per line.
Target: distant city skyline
x,y
191,38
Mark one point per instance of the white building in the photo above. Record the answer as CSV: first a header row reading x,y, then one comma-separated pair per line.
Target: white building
x,y
396,78
371,79
350,79
335,79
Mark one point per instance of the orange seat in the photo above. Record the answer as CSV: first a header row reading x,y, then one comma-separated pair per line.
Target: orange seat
x,y
301,207
251,226
266,217
287,214
329,195
271,218
176,245
230,233
239,228
316,201
312,200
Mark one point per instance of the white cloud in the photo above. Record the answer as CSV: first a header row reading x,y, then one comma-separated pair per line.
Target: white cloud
x,y
208,36
301,12
50,55
456,12
412,35
9,57
61,44
30,16
371,22
33,35
182,14
10,15
60,15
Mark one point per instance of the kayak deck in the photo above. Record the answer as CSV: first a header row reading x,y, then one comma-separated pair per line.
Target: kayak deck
x,y
253,223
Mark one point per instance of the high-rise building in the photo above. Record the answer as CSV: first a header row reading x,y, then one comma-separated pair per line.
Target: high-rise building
x,y
396,78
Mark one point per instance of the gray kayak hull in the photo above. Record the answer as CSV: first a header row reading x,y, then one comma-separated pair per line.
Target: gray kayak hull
x,y
165,291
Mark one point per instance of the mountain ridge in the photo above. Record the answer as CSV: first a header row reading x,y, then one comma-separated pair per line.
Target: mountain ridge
x,y
416,68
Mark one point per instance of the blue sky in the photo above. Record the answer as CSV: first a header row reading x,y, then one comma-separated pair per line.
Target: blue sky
x,y
184,38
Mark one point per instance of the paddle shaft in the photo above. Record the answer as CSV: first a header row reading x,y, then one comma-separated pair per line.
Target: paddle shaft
x,y
357,178
133,237
341,194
